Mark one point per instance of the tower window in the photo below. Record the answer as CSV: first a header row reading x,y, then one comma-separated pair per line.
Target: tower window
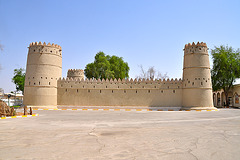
x,y
49,83
34,83
77,90
174,91
29,83
193,83
201,83
112,91
148,91
161,91
88,91
100,91
136,91
106,86
124,91
39,83
66,90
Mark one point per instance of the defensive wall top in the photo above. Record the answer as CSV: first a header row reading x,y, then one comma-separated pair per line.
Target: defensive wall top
x,y
45,44
75,70
123,80
195,45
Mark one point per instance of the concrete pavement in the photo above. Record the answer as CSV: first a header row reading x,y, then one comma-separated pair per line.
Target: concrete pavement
x,y
122,135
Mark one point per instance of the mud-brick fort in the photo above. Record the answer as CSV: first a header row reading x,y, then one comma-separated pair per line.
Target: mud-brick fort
x,y
45,87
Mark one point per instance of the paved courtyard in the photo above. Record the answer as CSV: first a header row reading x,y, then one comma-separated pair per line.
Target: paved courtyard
x,y
122,135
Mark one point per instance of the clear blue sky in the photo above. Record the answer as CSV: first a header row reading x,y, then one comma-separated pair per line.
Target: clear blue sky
x,y
143,32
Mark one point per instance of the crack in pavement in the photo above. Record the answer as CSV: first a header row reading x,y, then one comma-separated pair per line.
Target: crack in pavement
x,y
92,133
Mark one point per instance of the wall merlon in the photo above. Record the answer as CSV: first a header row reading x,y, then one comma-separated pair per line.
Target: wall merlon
x,y
124,81
195,45
44,44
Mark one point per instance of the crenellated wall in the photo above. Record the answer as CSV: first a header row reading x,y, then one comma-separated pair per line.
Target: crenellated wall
x,y
120,92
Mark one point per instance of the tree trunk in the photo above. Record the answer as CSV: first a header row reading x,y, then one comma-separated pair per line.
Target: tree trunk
x,y
226,97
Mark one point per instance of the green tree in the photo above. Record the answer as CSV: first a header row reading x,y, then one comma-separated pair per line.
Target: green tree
x,y
107,67
226,68
19,79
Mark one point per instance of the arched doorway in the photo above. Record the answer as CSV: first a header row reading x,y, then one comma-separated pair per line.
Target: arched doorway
x,y
214,99
236,99
218,99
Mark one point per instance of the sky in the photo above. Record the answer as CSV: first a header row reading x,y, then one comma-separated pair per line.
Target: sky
x,y
143,32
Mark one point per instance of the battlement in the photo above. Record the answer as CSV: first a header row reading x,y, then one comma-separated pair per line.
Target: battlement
x,y
43,48
195,45
75,73
122,81
75,70
45,44
200,48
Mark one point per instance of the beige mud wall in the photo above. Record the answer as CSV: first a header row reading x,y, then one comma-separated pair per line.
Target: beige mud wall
x,y
93,93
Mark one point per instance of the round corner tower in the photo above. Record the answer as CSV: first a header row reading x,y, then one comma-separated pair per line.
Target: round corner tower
x,y
44,68
197,86
75,74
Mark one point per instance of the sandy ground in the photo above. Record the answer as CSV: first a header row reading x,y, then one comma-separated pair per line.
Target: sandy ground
x,y
122,135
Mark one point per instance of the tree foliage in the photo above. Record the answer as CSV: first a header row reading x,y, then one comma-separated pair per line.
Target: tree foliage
x,y
19,79
151,73
226,68
107,67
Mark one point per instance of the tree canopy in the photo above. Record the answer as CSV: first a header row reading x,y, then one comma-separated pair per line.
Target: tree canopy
x,y
19,79
107,67
226,68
